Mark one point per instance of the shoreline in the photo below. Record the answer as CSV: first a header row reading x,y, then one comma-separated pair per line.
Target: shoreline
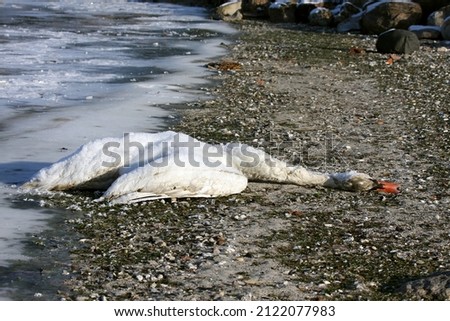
x,y
41,130
307,100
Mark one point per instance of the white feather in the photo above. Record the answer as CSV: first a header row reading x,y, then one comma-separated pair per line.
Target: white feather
x,y
142,166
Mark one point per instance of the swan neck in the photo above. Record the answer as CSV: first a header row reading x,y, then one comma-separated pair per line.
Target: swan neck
x,y
303,177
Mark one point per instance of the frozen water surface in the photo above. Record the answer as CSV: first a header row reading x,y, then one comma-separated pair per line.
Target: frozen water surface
x,y
72,71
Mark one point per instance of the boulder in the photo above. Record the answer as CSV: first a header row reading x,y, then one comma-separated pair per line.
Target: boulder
x,y
381,16
357,3
445,29
397,41
437,17
320,3
345,11
255,7
351,24
228,9
302,12
426,32
282,12
238,16
321,17
428,6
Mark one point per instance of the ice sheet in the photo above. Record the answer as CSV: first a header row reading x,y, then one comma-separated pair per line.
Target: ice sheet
x,y
72,71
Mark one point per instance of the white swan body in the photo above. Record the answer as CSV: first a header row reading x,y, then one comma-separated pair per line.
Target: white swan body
x,y
96,164
142,166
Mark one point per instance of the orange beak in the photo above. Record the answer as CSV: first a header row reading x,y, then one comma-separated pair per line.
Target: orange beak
x,y
387,187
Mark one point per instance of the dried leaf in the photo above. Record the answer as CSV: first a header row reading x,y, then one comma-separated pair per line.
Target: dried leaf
x,y
356,51
295,213
224,65
392,58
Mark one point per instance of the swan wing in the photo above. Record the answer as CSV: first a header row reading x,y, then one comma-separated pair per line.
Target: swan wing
x,y
149,182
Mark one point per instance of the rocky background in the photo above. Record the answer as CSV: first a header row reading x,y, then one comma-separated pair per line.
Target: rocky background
x,y
427,19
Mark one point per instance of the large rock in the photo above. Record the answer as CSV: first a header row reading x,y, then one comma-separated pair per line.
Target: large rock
x,y
321,17
255,7
397,41
382,16
229,11
351,24
428,6
345,11
437,17
445,29
282,12
357,3
426,32
302,12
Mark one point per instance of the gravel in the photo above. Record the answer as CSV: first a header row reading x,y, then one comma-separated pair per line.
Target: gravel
x,y
307,96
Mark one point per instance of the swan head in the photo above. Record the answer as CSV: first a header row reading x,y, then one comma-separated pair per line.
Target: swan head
x,y
359,182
